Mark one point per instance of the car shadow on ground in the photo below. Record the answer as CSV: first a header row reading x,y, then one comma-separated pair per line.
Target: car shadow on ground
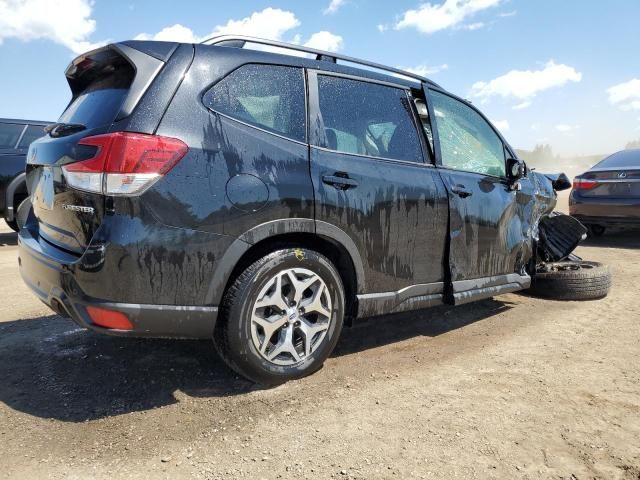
x,y
50,368
8,239
624,238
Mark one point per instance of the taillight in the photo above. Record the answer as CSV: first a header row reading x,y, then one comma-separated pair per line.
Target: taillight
x,y
583,184
109,318
125,163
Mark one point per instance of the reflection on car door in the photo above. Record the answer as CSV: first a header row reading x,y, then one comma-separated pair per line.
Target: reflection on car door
x,y
487,253
370,180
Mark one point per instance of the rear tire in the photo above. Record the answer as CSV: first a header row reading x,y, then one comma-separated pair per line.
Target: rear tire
x,y
579,280
281,317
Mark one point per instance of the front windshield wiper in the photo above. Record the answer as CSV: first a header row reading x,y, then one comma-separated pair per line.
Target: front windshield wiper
x,y
63,129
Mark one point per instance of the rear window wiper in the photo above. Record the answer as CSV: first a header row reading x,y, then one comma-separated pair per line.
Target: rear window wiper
x,y
63,129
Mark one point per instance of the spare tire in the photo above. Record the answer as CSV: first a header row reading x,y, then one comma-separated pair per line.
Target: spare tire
x,y
572,280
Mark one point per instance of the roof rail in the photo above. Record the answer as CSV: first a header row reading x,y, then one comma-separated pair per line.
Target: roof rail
x,y
240,40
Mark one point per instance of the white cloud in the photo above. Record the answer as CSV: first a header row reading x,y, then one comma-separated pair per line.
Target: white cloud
x,y
502,125
429,18
522,106
67,22
507,14
174,33
564,128
325,41
473,26
382,28
425,70
333,7
626,95
524,85
271,23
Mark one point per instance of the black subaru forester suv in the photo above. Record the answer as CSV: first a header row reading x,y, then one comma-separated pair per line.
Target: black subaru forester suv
x,y
263,199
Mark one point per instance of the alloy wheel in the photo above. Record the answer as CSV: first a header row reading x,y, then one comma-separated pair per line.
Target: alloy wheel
x,y
291,316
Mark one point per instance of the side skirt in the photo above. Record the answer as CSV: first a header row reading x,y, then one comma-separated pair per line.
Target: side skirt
x,y
424,295
466,291
413,297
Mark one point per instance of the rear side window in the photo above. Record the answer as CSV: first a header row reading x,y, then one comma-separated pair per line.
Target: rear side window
x,y
33,133
270,97
367,119
9,134
467,141
100,84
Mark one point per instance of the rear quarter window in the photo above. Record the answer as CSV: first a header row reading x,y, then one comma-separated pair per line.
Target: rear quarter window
x,y
269,97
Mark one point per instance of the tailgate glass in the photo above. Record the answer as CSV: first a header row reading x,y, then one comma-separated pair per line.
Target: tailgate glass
x,y
67,217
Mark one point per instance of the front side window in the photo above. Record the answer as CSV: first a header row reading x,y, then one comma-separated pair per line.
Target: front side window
x,y
467,141
365,118
270,97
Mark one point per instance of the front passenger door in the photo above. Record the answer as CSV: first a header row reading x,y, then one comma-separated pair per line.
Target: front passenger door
x,y
487,253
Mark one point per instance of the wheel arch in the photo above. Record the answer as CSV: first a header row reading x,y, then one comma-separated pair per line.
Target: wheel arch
x,y
322,237
17,185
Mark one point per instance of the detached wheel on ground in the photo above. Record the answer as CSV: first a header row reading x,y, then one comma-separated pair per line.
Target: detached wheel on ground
x,y
281,318
572,280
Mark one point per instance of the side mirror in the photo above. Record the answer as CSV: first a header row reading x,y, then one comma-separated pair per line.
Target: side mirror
x,y
516,169
561,183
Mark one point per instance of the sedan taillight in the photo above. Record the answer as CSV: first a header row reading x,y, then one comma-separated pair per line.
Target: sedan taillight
x,y
583,184
124,163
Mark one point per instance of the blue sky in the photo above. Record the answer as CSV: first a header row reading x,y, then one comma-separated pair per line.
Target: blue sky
x,y
564,72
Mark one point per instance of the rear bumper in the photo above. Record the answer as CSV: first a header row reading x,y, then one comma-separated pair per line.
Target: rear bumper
x,y
605,211
50,274
608,221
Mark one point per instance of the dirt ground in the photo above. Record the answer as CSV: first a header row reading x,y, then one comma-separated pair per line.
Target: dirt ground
x,y
512,387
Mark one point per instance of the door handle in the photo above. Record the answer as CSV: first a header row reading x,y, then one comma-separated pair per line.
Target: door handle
x,y
340,181
461,191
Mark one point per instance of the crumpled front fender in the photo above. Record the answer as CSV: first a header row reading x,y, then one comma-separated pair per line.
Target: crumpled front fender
x,y
559,236
555,235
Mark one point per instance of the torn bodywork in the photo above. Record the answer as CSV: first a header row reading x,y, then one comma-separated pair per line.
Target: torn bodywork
x,y
555,235
559,236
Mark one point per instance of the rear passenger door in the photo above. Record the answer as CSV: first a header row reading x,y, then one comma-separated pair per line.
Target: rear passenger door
x,y
371,181
488,251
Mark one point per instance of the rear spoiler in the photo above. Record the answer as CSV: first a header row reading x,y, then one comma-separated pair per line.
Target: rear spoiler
x,y
145,58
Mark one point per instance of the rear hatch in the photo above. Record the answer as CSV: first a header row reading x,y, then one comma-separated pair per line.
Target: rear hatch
x,y
102,83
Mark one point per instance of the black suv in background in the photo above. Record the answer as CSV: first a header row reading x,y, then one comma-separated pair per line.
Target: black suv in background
x,y
15,138
263,199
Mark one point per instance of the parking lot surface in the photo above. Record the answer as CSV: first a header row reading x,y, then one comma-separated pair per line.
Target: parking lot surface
x,y
511,387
